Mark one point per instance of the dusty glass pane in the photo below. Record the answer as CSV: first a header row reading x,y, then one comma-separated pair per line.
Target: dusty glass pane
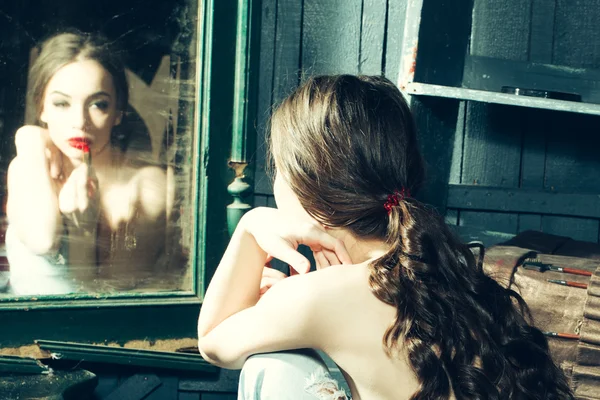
x,y
97,114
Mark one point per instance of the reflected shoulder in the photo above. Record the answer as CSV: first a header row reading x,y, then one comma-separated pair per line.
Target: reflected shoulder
x,y
151,185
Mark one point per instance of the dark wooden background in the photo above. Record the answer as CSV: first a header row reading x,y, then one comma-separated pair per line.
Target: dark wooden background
x,y
494,145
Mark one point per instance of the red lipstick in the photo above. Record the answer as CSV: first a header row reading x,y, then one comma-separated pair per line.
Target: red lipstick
x,y
82,144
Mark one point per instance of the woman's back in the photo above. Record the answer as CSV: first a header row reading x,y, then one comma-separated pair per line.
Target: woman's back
x,y
357,324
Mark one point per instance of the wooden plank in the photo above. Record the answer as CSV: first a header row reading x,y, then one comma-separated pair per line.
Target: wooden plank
x,y
541,34
533,157
265,92
135,388
487,73
218,396
576,228
286,65
167,391
572,162
451,216
458,147
437,121
498,222
514,200
372,37
422,89
331,36
410,40
189,396
226,381
260,201
106,384
394,36
500,29
444,35
576,34
492,146
530,222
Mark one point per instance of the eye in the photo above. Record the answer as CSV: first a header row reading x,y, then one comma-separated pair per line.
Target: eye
x,y
100,104
60,103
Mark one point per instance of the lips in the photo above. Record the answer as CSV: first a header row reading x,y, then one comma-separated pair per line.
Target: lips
x,y
80,143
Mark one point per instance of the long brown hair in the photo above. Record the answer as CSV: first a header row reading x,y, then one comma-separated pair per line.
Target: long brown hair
x,y
344,144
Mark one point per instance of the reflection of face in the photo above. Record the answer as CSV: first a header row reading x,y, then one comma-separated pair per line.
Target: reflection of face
x,y
80,102
286,199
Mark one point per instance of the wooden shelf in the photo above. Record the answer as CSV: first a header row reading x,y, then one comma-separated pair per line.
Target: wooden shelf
x,y
424,89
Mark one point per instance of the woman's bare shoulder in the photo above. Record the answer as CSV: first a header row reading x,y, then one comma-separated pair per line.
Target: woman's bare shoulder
x,y
149,186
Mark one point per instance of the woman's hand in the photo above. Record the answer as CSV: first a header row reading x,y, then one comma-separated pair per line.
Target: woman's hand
x,y
79,199
32,141
270,276
279,236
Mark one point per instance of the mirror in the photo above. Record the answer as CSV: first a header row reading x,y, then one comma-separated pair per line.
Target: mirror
x,y
97,159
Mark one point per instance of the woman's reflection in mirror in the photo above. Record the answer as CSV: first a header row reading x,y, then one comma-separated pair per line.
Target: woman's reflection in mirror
x,y
83,215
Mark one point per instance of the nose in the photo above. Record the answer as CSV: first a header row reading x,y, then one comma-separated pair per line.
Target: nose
x,y
79,117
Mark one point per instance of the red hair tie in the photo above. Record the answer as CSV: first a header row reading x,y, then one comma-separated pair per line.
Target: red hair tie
x,y
395,198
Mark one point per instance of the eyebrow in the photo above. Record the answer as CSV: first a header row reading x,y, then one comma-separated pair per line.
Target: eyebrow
x,y
102,93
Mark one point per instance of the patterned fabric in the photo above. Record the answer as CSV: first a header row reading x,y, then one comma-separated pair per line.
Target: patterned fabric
x,y
288,375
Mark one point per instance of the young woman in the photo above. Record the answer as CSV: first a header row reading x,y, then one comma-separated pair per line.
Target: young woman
x,y
82,215
397,301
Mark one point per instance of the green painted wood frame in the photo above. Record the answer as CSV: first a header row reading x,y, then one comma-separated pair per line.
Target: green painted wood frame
x,y
244,108
93,319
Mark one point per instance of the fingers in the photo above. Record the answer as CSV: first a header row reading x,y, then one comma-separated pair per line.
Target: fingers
x,y
288,254
333,249
326,258
320,259
269,278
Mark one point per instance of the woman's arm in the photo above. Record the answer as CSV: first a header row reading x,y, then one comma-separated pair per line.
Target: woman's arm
x,y
32,204
232,325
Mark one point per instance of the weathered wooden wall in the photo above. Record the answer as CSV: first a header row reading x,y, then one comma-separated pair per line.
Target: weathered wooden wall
x,y
301,37
512,147
493,145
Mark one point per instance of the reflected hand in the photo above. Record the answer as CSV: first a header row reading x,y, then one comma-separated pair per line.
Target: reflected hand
x,y
79,199
31,141
279,236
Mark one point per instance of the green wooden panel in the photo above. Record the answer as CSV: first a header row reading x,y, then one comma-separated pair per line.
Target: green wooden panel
x,y
541,35
491,198
444,35
168,390
533,157
226,382
490,221
218,396
286,67
107,383
331,36
372,37
501,29
449,92
451,216
189,396
265,93
576,228
530,222
396,19
576,34
492,146
436,119
458,147
260,200
572,162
